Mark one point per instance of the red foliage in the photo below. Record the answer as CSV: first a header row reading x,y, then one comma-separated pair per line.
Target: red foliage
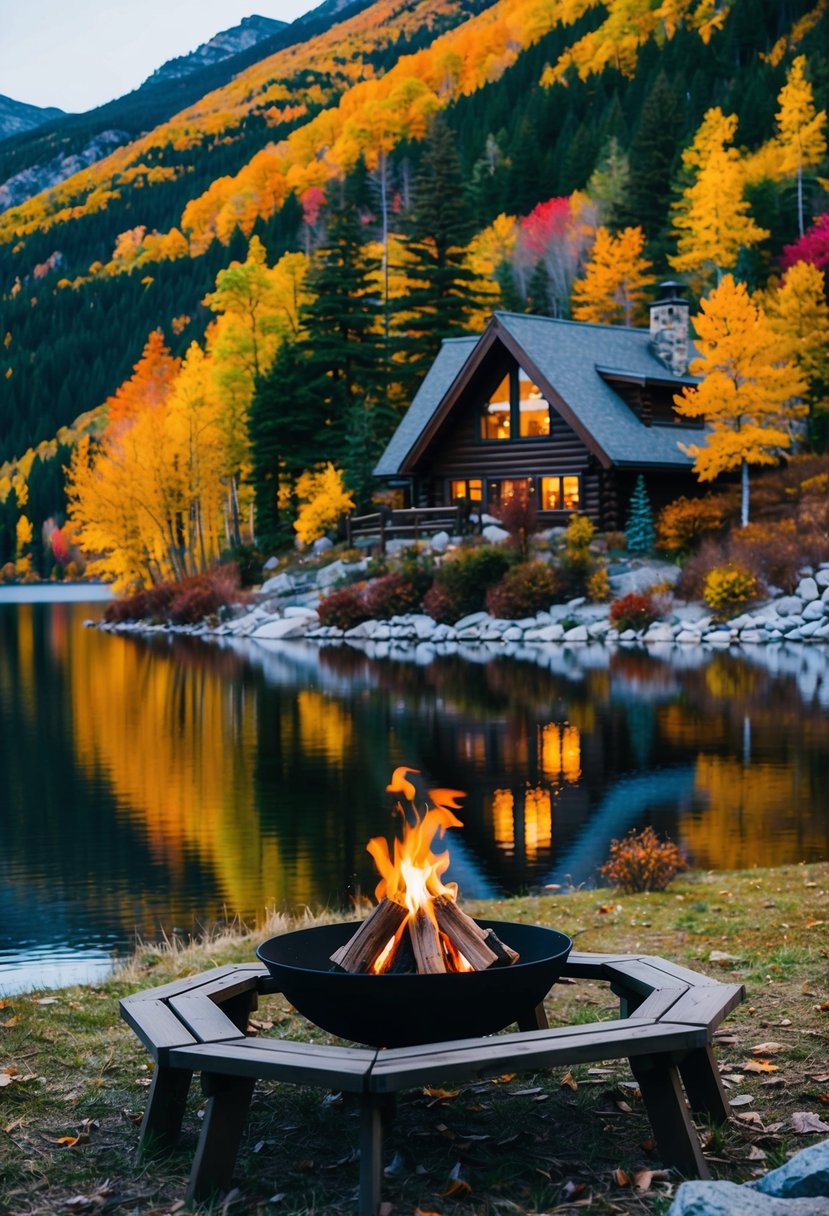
x,y
444,604
523,591
634,611
60,548
812,247
391,595
544,222
642,862
344,608
184,603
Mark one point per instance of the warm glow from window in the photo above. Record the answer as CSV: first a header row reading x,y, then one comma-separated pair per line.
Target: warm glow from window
x,y
472,489
560,494
538,821
502,819
534,412
495,419
559,752
502,491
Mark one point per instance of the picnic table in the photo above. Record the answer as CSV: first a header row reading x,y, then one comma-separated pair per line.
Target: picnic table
x,y
667,1017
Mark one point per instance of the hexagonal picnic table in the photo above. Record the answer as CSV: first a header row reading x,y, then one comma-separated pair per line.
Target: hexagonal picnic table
x,y
667,1017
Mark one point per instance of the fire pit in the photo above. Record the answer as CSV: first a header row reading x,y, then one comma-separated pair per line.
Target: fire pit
x,y
418,969
402,1010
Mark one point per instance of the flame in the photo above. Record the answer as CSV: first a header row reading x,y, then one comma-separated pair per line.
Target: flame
x,y
413,875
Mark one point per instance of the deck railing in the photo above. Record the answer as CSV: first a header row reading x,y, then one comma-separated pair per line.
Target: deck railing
x,y
411,523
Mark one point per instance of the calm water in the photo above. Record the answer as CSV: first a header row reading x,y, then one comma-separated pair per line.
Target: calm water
x,y
154,785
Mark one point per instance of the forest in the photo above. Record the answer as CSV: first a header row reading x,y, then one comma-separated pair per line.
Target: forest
x,y
228,316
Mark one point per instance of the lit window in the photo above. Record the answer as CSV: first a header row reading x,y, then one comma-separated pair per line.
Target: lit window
x,y
500,492
472,490
560,493
533,410
496,416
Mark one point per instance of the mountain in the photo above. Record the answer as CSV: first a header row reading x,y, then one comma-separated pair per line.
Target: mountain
x,y
17,116
248,33
38,159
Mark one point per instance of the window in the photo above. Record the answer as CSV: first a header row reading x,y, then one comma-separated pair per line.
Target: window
x,y
515,410
472,490
560,494
501,492
533,410
497,416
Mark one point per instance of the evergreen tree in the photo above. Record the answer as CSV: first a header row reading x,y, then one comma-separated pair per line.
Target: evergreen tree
x,y
639,530
653,156
441,298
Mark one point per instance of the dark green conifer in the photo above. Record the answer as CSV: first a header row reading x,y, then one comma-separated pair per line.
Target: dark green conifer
x,y
639,530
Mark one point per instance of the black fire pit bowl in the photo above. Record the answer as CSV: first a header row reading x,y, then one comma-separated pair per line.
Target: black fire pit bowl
x,y
403,1010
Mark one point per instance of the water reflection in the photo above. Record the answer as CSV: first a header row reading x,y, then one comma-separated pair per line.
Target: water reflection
x,y
154,784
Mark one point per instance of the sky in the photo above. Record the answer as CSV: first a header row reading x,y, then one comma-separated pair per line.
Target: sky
x,y
76,54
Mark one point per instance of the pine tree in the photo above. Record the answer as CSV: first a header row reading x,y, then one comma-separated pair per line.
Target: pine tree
x,y
639,530
612,290
441,298
652,158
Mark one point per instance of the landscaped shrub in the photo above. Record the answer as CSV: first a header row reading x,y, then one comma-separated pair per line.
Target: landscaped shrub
x,y
636,611
523,591
728,589
682,524
393,594
598,585
641,536
519,517
576,563
183,603
344,608
464,579
771,551
642,862
615,541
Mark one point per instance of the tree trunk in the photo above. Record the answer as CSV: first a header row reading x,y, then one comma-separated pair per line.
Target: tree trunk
x,y
744,495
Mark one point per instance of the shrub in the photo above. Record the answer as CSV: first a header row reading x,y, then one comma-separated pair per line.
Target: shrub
x,y
344,608
523,590
519,517
642,862
442,604
682,524
691,582
183,603
464,579
728,589
640,533
615,540
579,533
634,611
770,551
598,585
392,594
7,572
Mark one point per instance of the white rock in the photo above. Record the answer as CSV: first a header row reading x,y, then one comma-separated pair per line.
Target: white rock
x,y
301,610
322,544
807,589
270,564
628,635
822,577
469,622
328,575
577,634
751,635
659,631
688,637
282,628
789,605
280,584
440,542
494,534
548,633
513,634
814,611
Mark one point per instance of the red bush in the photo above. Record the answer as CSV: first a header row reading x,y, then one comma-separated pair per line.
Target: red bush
x,y
183,603
344,608
443,604
634,611
642,862
391,595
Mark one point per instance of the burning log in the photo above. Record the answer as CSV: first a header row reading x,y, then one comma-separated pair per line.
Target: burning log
x,y
374,934
506,955
429,956
466,936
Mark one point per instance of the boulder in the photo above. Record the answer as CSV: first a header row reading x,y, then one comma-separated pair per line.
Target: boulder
x,y
280,584
282,628
814,611
270,564
440,542
300,612
822,577
494,534
577,634
688,637
789,605
471,621
734,1199
322,544
547,633
807,589
328,575
660,631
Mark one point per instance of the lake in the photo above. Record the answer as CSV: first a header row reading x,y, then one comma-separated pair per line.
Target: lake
x,y
158,785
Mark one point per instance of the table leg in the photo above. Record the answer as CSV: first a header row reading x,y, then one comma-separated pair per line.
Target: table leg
x,y
371,1153
535,1019
701,1079
664,1100
221,1134
165,1110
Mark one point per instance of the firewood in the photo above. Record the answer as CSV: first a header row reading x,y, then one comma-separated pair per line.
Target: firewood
x,y
360,951
402,959
464,934
506,956
426,943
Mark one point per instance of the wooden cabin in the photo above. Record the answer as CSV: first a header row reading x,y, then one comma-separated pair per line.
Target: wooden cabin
x,y
566,411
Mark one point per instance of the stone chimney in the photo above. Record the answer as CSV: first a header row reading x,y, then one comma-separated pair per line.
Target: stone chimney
x,y
669,327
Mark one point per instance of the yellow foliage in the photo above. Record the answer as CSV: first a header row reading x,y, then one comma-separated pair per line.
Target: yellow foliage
x,y
801,130
323,500
798,312
728,589
23,534
711,219
613,288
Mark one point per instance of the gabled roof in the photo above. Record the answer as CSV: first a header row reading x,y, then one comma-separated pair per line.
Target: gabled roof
x,y
572,362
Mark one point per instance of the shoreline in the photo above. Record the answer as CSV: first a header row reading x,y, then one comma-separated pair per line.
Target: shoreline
x,y
55,593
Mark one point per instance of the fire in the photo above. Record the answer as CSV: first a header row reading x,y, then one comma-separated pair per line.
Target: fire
x,y
413,878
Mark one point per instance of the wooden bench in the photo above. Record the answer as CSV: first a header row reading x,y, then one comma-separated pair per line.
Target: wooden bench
x,y
667,1018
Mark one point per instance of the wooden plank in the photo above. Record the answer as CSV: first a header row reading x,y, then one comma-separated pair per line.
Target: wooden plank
x,y
220,1136
707,1006
296,1063
697,978
585,966
203,1018
157,1027
165,1111
675,1133
659,1004
634,975
234,984
533,1019
400,1069
188,984
701,1079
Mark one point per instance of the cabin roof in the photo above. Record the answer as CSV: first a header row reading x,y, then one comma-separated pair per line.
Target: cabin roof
x,y
573,362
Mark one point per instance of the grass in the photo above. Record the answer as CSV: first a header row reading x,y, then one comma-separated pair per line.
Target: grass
x,y
73,1078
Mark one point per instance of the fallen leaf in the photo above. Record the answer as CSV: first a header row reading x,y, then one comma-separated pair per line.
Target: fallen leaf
x,y
571,1190
47,1000
722,956
824,1006
750,1116
760,1066
741,1100
4,1004
820,1077
72,1141
755,1153
5,1079
624,1107
385,1209
457,1183
824,1098
621,1178
768,1049
773,1081
642,1180
504,1079
524,1093
444,1094
397,1165
9,1022
647,1146
813,924
569,1080
805,1121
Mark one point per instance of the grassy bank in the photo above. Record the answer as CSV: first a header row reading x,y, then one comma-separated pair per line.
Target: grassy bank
x,y
73,1078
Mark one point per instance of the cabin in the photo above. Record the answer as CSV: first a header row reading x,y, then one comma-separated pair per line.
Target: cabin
x,y
567,412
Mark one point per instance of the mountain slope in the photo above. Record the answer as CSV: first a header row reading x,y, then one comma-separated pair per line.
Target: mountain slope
x,y
249,32
18,116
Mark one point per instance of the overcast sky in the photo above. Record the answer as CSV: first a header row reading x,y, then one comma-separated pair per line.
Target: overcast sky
x,y
77,54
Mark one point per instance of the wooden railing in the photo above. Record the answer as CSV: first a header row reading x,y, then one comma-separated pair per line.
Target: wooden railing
x,y
411,523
